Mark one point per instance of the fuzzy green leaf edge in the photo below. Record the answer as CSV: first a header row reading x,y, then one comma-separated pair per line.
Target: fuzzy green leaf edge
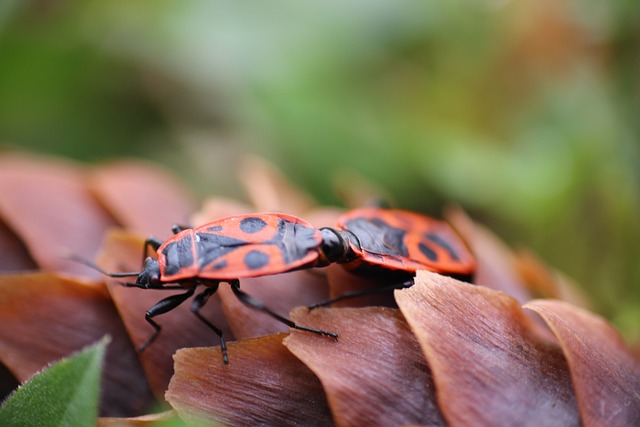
x,y
65,393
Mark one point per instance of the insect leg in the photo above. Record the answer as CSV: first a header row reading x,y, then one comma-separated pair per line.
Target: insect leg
x,y
161,288
176,228
259,305
198,302
362,293
151,243
163,306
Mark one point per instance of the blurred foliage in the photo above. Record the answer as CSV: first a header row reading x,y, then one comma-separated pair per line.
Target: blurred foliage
x,y
524,112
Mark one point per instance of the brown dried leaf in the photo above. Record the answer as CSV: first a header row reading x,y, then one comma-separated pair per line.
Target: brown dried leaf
x,y
263,384
144,198
45,317
605,374
46,203
180,328
375,374
495,266
491,364
280,292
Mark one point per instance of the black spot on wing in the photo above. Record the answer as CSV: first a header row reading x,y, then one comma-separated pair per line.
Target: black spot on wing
x,y
178,255
376,236
252,224
219,265
428,252
256,259
438,240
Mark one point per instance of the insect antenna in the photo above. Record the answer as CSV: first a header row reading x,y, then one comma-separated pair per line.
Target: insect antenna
x,y
100,270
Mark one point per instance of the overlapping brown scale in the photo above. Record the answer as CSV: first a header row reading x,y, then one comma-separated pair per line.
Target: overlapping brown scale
x,y
491,364
605,373
263,384
46,204
375,373
269,190
45,317
180,328
144,198
495,266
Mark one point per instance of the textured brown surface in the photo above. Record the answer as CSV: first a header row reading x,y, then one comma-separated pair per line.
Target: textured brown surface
x,y
263,384
375,373
46,204
604,371
144,198
490,364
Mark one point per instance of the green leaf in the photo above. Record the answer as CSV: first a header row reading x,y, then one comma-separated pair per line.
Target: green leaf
x,y
64,394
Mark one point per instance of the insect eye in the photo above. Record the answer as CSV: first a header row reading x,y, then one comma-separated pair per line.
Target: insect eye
x,y
150,273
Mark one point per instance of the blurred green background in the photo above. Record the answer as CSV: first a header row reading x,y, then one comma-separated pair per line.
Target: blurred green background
x,y
525,112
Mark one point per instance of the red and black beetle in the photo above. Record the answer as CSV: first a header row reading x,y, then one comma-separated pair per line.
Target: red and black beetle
x,y
270,243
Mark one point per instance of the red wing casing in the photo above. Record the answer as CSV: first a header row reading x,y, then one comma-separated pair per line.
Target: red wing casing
x,y
403,240
240,246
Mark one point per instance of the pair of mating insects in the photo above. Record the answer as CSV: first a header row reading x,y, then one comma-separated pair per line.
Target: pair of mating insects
x,y
262,244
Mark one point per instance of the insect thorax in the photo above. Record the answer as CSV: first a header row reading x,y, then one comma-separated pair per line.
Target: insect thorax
x,y
336,246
